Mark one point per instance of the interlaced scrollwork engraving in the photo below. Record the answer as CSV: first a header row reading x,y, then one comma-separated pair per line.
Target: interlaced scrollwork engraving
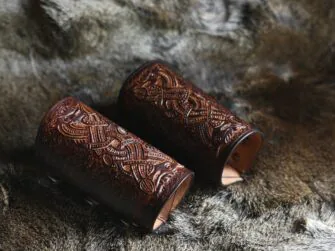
x,y
117,148
192,109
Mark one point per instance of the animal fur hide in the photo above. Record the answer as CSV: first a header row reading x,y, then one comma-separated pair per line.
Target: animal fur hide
x,y
270,61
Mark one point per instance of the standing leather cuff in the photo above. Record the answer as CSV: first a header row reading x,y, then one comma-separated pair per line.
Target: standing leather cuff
x,y
183,121
112,165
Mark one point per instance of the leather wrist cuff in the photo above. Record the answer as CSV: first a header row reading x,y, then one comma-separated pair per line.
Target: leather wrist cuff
x,y
112,165
183,121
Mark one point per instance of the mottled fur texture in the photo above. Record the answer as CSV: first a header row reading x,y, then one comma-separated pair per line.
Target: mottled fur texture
x,y
269,61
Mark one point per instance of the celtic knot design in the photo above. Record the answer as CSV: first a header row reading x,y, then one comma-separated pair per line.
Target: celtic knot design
x,y
115,146
188,106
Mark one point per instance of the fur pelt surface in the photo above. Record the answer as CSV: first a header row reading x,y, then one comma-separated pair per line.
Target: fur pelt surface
x,y
270,61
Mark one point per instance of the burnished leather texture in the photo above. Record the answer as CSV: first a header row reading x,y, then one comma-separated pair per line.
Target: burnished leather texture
x,y
108,162
180,119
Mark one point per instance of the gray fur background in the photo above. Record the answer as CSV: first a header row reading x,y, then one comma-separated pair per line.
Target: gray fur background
x,y
270,61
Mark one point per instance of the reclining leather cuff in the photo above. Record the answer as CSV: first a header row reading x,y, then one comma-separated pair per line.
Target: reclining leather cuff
x,y
112,165
183,121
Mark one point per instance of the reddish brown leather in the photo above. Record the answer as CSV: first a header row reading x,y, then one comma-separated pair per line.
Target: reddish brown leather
x,y
114,166
182,120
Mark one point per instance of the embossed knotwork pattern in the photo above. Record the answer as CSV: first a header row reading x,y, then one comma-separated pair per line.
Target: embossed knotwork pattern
x,y
115,147
192,109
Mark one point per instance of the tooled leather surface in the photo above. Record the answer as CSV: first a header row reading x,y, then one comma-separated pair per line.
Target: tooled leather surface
x,y
186,105
113,146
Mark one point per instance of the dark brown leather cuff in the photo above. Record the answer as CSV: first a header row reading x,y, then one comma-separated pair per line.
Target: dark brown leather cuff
x,y
112,165
183,121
